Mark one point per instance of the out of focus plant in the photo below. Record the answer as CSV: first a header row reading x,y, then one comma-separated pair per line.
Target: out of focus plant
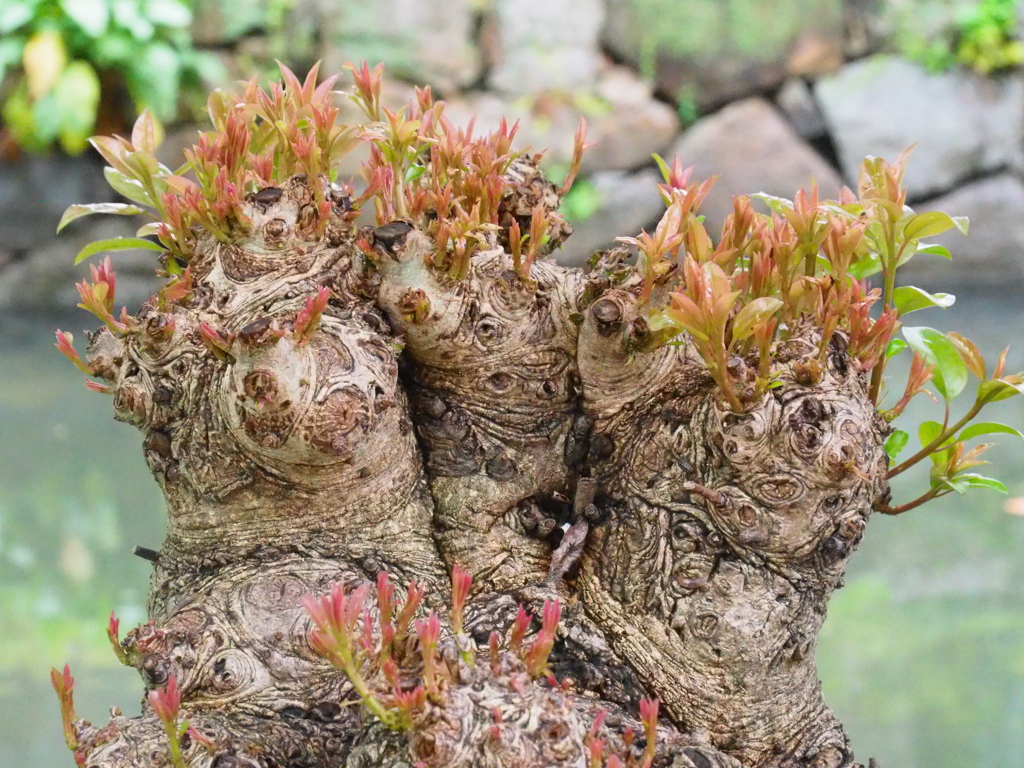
x,y
581,202
60,59
982,35
988,36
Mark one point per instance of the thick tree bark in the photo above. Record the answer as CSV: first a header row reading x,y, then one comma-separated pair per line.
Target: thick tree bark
x,y
533,430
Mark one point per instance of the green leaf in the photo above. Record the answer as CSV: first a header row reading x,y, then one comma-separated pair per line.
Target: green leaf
x,y
950,370
662,166
753,315
980,481
961,223
958,484
852,210
996,389
988,428
927,224
413,172
895,347
907,298
78,211
127,186
116,244
928,431
778,204
895,443
867,265
934,249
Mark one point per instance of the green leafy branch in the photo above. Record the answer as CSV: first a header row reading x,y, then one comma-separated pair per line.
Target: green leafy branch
x,y
950,359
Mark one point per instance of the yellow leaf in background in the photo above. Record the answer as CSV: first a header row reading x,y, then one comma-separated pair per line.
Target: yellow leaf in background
x,y
76,561
78,96
43,59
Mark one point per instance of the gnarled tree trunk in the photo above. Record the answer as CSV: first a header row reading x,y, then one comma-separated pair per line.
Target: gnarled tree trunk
x,y
528,425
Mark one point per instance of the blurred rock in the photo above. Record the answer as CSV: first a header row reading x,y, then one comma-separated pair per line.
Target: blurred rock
x,y
35,191
964,125
712,51
860,23
428,41
751,148
797,103
634,126
537,47
628,203
44,279
625,123
993,252
815,53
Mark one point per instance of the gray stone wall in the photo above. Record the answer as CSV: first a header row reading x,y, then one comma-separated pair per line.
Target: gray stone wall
x,y
768,95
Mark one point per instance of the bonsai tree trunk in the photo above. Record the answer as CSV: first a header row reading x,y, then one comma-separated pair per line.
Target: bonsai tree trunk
x,y
348,413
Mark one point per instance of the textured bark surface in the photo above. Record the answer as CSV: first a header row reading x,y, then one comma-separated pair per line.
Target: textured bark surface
x,y
528,429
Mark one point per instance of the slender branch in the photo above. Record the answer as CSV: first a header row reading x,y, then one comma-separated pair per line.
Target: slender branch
x,y
929,449
933,493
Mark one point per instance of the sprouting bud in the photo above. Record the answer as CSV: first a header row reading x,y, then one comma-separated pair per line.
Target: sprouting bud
x,y
308,320
216,341
413,597
429,631
537,657
98,296
64,685
368,82
177,289
95,386
408,703
65,343
519,627
204,741
462,581
166,704
414,305
385,596
649,717
579,147
166,701
366,640
114,636
390,671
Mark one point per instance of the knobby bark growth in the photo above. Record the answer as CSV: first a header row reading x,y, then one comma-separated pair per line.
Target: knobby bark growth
x,y
682,449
